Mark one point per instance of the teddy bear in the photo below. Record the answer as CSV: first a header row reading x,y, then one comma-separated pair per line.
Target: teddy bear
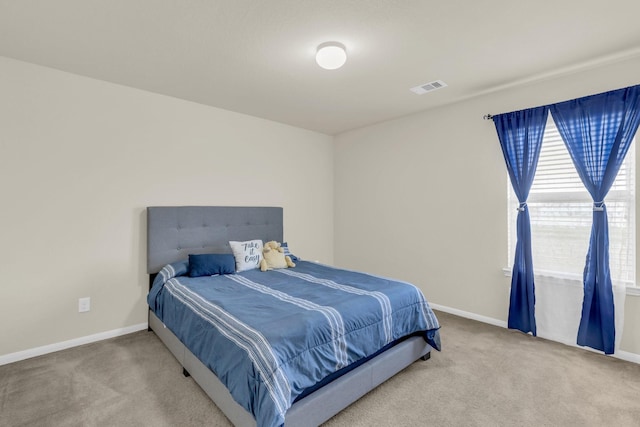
x,y
273,257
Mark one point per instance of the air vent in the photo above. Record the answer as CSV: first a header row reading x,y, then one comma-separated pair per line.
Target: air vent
x,y
428,87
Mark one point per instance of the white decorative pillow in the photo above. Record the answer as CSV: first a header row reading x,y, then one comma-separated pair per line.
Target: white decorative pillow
x,y
247,254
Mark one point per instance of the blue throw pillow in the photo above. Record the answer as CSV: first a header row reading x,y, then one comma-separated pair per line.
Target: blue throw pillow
x,y
210,264
285,246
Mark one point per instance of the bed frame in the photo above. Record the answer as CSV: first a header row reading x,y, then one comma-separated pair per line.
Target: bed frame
x,y
174,232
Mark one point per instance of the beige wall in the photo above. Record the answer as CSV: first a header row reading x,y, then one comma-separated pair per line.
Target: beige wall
x,y
80,160
423,197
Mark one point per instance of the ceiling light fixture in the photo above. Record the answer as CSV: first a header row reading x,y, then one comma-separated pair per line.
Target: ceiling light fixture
x,y
331,55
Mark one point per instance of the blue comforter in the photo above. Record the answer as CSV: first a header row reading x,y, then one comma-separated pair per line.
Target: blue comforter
x,y
270,335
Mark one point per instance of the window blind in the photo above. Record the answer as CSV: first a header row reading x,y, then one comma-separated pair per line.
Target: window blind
x,y
561,214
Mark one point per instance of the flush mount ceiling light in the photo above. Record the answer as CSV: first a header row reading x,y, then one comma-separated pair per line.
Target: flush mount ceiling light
x,y
331,55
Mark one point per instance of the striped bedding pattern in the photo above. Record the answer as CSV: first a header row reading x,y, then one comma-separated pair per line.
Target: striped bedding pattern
x,y
268,336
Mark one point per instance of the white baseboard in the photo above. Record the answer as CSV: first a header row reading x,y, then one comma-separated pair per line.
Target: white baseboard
x,y
39,351
628,356
620,354
468,315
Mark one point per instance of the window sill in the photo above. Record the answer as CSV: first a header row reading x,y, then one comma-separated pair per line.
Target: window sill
x,y
632,289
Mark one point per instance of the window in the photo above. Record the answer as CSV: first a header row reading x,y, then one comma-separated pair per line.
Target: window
x,y
561,215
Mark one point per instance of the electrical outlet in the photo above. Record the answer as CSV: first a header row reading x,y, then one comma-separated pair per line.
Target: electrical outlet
x,y
84,304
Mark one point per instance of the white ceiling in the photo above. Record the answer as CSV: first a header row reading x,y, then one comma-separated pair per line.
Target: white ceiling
x,y
257,56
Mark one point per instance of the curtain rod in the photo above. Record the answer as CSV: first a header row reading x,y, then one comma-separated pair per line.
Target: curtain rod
x,y
490,116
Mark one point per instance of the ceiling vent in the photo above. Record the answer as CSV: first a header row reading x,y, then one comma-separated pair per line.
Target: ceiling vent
x,y
428,87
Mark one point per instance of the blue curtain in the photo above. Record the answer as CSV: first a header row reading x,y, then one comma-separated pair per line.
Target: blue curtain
x,y
598,131
520,135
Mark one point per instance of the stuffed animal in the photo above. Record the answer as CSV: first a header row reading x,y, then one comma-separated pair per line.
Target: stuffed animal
x,y
273,257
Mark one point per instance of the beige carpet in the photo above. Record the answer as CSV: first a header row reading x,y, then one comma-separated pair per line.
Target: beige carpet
x,y
485,376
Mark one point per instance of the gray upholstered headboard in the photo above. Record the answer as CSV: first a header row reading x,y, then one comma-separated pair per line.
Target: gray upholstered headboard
x,y
174,232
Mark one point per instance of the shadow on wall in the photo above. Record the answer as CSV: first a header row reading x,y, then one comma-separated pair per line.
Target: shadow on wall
x,y
139,245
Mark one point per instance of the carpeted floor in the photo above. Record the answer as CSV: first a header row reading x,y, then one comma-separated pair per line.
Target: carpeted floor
x,y
485,376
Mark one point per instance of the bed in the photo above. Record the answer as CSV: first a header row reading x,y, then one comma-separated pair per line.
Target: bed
x,y
258,374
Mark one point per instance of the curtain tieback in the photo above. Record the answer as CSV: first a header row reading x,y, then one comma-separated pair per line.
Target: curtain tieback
x,y
598,206
522,206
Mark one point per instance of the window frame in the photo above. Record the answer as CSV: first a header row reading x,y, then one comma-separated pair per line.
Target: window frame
x,y
578,197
